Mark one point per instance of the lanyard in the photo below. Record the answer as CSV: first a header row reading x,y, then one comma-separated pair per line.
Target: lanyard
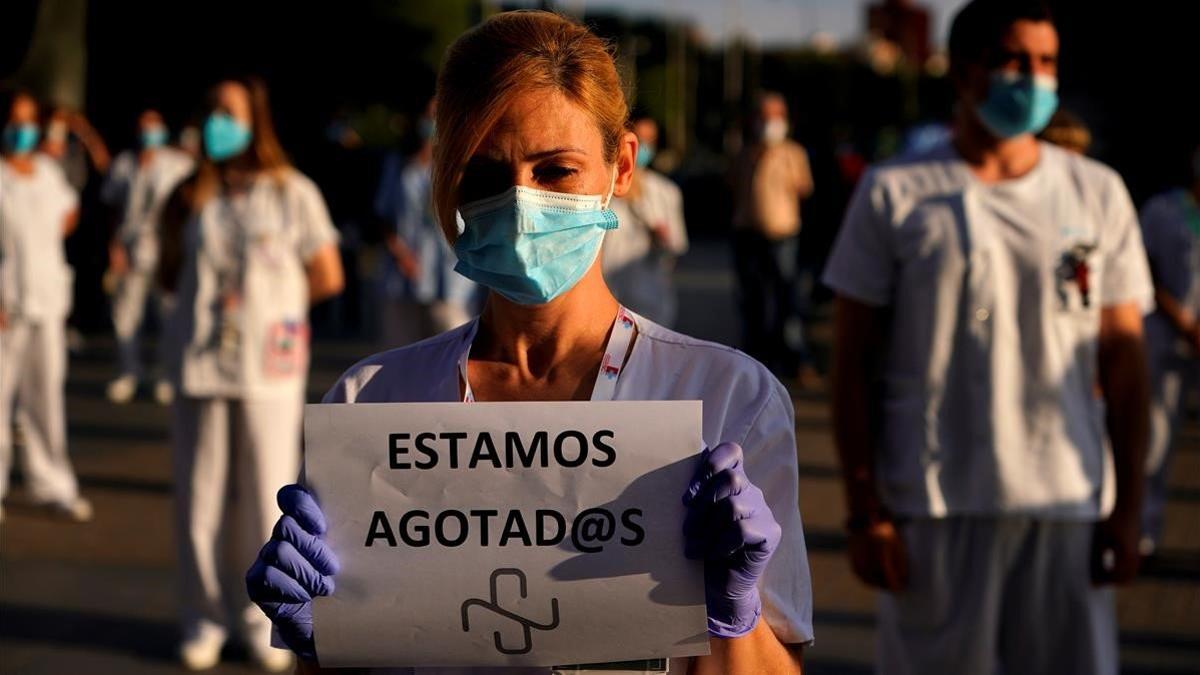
x,y
610,366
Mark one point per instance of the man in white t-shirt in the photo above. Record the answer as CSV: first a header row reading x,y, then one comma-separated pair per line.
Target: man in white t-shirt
x,y
37,210
990,301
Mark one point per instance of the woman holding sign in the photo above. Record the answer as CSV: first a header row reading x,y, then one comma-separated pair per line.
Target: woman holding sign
x,y
532,144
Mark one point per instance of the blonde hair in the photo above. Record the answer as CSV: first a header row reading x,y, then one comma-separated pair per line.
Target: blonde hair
x,y
508,55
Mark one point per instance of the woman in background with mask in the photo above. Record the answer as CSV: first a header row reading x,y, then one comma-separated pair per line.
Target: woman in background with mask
x,y
531,135
38,209
423,296
639,256
248,245
138,186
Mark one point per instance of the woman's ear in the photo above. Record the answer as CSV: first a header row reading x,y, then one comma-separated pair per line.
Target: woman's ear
x,y
626,162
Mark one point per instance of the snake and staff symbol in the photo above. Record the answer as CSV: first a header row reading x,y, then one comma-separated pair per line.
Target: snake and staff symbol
x,y
527,625
1074,268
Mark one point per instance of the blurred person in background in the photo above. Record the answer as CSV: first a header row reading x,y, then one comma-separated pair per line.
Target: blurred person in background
x,y
190,141
137,187
77,147
38,209
247,246
1067,130
1171,230
72,142
984,287
423,295
639,257
769,179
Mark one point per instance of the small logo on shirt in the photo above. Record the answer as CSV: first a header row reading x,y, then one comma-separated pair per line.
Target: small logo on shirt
x,y
609,370
1074,268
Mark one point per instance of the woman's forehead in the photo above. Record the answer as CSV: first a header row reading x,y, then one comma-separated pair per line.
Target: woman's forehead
x,y
537,122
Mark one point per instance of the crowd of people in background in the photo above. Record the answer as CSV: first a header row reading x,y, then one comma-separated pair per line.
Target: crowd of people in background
x,y
222,244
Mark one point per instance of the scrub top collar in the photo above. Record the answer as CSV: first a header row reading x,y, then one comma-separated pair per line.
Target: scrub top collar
x,y
619,341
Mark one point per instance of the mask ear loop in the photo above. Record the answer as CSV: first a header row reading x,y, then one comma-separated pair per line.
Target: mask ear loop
x,y
612,186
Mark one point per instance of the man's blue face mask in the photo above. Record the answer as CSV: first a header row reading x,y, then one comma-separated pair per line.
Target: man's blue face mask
x,y
532,245
1018,104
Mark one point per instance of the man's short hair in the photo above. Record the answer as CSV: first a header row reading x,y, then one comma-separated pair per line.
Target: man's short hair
x,y
980,26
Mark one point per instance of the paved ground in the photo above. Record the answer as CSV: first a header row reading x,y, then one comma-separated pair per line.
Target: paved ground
x,y
99,598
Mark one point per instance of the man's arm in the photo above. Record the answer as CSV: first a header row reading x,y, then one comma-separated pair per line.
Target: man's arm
x,y
804,179
1124,383
1182,320
876,551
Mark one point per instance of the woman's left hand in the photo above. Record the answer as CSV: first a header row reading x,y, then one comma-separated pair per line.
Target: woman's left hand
x,y
731,528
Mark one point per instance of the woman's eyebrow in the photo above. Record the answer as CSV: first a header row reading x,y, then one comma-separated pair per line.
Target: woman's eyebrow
x,y
542,154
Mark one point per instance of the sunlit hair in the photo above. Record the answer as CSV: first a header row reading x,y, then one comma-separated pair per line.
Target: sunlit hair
x,y
265,154
1068,131
508,55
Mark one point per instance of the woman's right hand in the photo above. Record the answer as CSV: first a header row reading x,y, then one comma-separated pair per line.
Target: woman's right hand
x,y
878,557
292,568
118,259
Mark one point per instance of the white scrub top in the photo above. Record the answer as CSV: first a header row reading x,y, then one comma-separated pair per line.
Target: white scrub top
x,y
659,204
141,191
743,403
254,245
1171,230
35,280
989,376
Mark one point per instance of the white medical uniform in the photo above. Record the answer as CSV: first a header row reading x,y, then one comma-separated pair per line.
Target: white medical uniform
x,y
1171,229
240,376
743,403
637,264
140,191
993,443
35,293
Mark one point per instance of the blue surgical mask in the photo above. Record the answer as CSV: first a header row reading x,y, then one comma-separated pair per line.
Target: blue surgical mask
x,y
1018,104
21,138
531,245
154,137
225,137
645,154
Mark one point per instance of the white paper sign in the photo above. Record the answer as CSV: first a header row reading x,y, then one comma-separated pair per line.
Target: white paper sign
x,y
519,534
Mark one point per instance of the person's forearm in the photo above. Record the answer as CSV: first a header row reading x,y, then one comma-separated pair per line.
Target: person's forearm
x,y
1124,382
758,651
1181,319
852,376
69,223
325,275
394,246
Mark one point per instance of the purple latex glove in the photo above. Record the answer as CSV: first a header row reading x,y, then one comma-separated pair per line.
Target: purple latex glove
x,y
730,527
292,568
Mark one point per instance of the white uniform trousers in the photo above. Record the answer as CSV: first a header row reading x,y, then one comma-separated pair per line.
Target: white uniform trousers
x,y
33,370
997,595
230,458
128,317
